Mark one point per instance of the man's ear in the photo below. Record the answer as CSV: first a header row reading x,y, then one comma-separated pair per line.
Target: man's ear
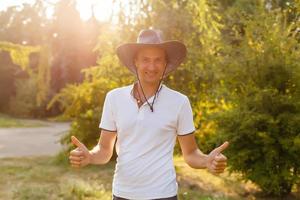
x,y
135,62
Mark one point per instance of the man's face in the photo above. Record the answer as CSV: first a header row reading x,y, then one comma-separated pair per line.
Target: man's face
x,y
150,63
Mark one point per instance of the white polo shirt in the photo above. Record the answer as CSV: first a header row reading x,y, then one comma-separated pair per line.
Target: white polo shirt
x,y
145,141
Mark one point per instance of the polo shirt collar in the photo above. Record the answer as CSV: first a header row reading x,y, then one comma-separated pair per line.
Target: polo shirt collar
x,y
151,98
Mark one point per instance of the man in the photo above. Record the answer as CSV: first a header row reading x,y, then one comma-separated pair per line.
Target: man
x,y
146,118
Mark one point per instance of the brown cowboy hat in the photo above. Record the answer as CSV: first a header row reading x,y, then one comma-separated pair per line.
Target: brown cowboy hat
x,y
176,51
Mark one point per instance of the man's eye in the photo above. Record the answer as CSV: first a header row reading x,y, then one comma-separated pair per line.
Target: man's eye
x,y
159,60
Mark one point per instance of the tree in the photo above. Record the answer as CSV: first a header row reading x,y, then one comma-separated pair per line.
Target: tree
x,y
261,74
66,47
72,45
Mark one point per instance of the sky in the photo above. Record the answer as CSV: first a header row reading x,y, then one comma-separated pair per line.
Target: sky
x,y
102,8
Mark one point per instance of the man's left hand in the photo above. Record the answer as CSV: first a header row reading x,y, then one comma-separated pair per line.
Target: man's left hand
x,y
216,161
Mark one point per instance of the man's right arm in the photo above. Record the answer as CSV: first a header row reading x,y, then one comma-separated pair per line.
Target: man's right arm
x,y
103,151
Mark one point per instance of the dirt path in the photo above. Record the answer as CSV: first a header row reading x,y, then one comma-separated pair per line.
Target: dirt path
x,y
17,142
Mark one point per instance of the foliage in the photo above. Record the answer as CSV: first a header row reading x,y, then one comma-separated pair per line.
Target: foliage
x,y
241,73
31,93
58,46
24,103
10,122
83,103
43,77
261,75
247,79
19,54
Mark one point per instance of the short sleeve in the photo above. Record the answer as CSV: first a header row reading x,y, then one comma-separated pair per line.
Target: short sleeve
x,y
107,118
185,122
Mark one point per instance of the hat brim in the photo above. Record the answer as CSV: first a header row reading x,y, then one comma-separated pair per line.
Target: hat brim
x,y
175,50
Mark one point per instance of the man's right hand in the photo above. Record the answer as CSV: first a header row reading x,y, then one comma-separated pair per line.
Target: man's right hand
x,y
80,156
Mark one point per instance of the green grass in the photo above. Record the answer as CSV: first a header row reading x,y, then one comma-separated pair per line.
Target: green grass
x,y
43,178
9,122
50,178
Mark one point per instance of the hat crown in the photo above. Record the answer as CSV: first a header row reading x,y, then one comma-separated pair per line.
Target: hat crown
x,y
150,37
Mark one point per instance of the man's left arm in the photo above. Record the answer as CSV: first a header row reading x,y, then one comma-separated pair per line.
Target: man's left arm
x,y
215,161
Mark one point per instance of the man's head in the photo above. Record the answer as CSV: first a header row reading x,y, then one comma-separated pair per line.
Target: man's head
x,y
150,63
174,50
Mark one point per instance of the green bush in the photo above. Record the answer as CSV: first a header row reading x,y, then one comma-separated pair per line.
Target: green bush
x,y
262,76
24,102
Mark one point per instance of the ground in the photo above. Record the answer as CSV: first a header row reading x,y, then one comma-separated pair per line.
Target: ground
x,y
30,168
30,141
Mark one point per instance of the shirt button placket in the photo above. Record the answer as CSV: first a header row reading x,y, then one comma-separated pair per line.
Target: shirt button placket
x,y
141,112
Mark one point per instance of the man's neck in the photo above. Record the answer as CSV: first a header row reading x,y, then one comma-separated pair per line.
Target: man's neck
x,y
149,89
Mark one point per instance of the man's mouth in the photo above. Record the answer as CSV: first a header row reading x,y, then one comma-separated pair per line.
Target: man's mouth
x,y
151,74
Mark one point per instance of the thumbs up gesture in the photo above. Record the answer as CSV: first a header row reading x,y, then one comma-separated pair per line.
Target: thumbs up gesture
x,y
216,161
80,156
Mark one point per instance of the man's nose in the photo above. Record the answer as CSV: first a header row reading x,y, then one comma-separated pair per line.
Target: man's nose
x,y
152,66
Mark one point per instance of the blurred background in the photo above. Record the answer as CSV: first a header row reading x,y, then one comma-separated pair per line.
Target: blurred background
x,y
242,73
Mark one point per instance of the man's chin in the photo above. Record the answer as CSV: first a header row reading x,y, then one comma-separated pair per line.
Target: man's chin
x,y
152,81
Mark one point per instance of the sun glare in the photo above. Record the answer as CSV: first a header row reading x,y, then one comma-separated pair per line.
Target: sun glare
x,y
101,9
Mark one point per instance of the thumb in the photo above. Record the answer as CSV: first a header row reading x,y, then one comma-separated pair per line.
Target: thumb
x,y
222,147
77,143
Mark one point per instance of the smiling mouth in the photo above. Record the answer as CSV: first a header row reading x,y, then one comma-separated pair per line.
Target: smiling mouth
x,y
150,74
